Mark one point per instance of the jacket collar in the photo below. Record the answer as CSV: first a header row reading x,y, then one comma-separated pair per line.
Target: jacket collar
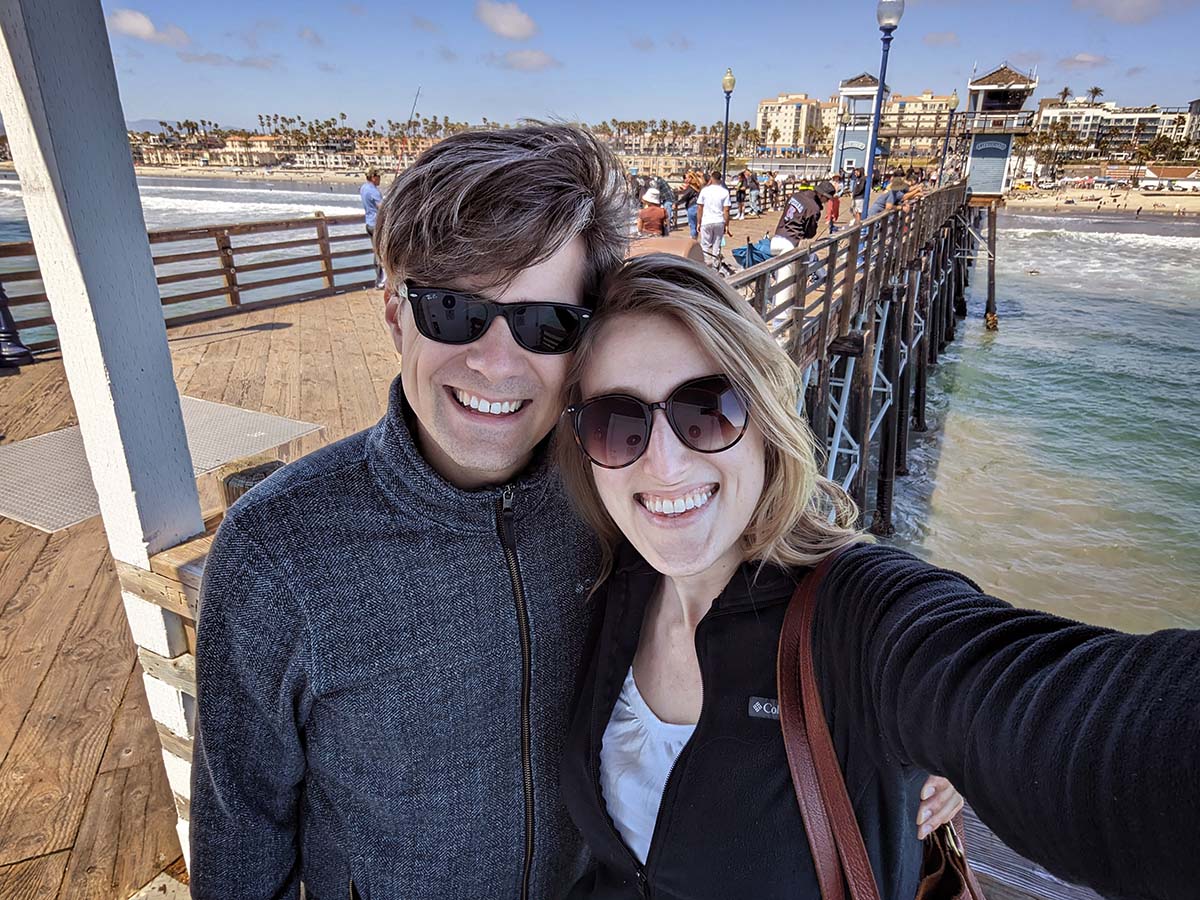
x,y
403,473
753,585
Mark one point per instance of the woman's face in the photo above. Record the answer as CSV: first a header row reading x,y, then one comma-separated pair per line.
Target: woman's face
x,y
648,356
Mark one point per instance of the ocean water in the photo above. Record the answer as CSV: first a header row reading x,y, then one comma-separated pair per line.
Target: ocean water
x,y
183,202
1062,466
1063,471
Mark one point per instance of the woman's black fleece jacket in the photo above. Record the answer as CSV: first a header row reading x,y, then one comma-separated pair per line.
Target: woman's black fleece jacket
x,y
1078,745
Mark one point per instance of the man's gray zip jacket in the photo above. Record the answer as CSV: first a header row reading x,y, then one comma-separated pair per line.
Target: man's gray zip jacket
x,y
385,665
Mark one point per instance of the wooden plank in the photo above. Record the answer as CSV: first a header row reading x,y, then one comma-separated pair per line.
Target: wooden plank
x,y
20,546
195,295
45,780
34,879
249,249
184,563
168,258
356,393
318,373
383,360
183,600
23,275
250,361
276,263
36,622
17,248
195,275
127,835
174,235
133,740
179,673
283,279
173,743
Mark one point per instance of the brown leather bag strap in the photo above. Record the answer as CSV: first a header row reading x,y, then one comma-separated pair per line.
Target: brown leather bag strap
x,y
851,849
804,771
838,851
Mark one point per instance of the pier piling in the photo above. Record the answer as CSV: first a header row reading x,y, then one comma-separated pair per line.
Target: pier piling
x,y
881,523
991,320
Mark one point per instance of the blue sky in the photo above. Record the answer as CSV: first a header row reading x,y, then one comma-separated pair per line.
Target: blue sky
x,y
228,61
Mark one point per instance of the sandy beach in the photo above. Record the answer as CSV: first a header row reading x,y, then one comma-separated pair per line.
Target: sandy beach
x,y
1077,200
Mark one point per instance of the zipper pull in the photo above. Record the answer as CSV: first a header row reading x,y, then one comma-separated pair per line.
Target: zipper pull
x,y
506,501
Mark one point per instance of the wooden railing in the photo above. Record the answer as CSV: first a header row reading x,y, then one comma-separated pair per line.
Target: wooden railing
x,y
214,269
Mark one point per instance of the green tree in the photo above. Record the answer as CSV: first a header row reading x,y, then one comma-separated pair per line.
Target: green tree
x,y
1094,92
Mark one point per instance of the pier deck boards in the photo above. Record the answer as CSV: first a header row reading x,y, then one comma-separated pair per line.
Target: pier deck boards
x,y
85,809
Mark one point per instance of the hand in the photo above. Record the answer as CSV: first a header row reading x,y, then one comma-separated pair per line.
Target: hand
x,y
940,801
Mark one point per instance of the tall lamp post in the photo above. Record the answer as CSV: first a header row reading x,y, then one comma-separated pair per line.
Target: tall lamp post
x,y
727,84
946,143
888,14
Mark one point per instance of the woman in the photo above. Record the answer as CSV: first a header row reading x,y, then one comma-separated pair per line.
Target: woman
x,y
740,195
652,218
686,455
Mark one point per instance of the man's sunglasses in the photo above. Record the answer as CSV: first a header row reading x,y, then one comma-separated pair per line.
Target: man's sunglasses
x,y
453,317
613,430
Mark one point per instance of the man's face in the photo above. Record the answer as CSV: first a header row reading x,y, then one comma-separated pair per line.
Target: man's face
x,y
469,448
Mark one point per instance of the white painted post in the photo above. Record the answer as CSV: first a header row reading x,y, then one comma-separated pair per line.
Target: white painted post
x,y
58,96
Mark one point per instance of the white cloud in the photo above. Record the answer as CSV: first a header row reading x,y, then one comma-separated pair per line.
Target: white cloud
x,y
505,19
135,24
941,39
1130,12
310,37
427,25
525,60
220,59
1084,61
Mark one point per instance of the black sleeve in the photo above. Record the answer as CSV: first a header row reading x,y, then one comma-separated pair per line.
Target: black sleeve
x,y
1079,746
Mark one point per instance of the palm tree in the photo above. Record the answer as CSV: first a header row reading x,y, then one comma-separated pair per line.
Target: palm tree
x,y
1094,92
1064,95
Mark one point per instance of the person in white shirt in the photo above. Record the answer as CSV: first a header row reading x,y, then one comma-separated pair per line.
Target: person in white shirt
x,y
713,212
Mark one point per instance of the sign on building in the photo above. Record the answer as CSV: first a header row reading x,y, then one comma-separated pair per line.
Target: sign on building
x,y
989,162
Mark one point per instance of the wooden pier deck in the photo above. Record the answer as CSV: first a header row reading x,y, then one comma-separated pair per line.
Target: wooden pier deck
x,y
85,809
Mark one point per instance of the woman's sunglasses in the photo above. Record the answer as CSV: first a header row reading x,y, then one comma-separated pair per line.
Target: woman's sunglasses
x,y
453,317
613,430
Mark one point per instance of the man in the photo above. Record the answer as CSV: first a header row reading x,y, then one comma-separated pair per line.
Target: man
x,y
798,223
898,193
713,212
371,198
391,628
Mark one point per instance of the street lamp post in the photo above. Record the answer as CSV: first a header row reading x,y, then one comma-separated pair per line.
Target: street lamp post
x,y
888,14
946,143
727,84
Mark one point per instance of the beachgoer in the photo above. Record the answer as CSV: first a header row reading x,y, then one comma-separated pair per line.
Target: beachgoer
x,y
835,203
371,197
798,223
652,218
755,190
692,185
713,211
684,449
391,628
741,195
898,193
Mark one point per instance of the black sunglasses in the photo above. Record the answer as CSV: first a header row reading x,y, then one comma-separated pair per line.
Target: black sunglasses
x,y
613,430
454,317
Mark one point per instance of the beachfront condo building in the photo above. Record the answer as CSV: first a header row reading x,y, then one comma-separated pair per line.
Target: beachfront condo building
x,y
789,124
1112,130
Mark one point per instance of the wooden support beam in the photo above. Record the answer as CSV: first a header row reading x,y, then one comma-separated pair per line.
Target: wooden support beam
x,y
990,317
881,523
56,83
902,389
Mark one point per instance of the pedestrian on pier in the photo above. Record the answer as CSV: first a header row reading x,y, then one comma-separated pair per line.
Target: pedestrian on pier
x,y
692,185
755,192
714,207
652,218
371,197
740,194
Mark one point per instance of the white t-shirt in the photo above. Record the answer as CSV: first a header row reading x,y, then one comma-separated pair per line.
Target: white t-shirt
x,y
636,757
715,200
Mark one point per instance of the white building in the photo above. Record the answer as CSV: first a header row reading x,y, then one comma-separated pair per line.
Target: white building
x,y
787,123
1117,127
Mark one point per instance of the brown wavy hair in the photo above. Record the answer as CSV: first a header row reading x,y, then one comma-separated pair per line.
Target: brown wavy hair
x,y
801,515
486,205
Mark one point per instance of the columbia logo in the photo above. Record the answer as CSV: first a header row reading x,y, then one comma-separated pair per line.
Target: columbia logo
x,y
764,708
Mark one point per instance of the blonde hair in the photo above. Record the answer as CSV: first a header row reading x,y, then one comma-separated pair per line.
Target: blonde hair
x,y
801,516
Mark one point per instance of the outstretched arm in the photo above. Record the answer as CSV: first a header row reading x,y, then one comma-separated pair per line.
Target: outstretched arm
x,y
1075,744
252,658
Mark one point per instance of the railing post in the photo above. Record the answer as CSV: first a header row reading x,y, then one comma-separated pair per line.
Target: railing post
x,y
847,310
225,248
881,523
902,390
762,294
323,241
920,355
820,418
796,343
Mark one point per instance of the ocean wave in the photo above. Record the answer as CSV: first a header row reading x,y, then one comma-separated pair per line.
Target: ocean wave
x,y
248,212
239,191
1108,239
